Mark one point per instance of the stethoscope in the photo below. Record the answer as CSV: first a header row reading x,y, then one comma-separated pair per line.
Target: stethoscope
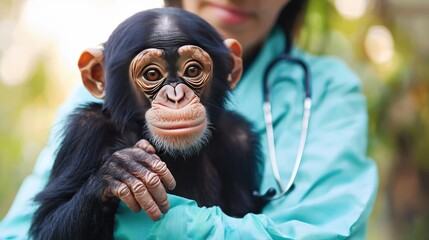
x,y
271,193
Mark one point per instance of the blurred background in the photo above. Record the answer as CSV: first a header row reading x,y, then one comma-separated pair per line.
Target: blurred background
x,y
385,41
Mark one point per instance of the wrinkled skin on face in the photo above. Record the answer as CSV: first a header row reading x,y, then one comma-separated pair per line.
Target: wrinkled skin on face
x,y
177,121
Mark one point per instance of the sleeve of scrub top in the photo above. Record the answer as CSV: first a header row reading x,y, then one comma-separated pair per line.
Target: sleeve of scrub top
x,y
337,182
16,223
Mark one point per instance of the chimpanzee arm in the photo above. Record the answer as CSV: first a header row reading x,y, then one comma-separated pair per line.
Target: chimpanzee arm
x,y
71,206
97,166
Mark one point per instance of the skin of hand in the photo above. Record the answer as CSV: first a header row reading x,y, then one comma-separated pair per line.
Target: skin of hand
x,y
137,176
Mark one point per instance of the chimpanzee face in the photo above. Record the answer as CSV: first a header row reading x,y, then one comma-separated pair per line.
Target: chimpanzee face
x,y
173,83
173,68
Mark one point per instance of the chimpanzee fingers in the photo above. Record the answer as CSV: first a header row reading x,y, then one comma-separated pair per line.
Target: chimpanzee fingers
x,y
150,161
156,189
144,198
146,146
144,174
133,191
121,191
156,165
127,158
149,182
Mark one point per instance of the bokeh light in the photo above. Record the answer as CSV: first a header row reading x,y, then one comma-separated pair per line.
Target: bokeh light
x,y
61,30
379,44
351,9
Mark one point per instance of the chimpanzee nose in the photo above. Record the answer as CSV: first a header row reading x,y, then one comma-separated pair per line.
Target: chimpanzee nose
x,y
176,96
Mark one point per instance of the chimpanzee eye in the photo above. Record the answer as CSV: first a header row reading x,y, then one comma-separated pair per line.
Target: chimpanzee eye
x,y
193,71
152,75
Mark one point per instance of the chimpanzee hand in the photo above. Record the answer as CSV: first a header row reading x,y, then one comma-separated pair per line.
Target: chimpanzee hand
x,y
134,175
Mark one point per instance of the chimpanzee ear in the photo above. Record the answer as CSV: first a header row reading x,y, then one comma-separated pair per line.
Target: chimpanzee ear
x,y
92,72
236,52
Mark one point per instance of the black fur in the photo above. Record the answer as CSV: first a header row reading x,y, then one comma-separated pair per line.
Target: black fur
x,y
224,173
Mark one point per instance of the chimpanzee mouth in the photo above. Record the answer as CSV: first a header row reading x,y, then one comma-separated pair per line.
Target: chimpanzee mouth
x,y
180,139
191,125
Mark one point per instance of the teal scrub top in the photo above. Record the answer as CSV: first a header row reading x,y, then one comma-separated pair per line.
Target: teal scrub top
x,y
335,187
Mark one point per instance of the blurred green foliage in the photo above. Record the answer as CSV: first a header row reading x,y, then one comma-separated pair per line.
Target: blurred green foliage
x,y
398,103
22,135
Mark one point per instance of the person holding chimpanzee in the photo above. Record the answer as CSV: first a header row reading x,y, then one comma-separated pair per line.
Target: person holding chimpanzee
x,y
209,149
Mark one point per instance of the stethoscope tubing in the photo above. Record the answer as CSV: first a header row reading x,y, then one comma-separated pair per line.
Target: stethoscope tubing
x,y
288,58
271,193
